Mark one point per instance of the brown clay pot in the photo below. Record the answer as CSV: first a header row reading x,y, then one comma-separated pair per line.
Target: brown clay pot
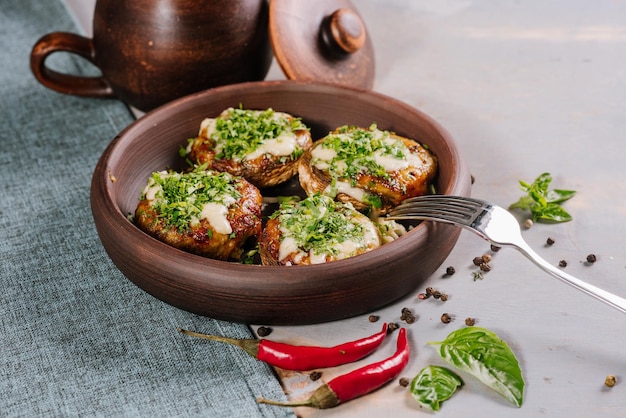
x,y
151,52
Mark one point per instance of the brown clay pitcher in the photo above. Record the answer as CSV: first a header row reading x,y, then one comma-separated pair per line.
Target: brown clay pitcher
x,y
150,52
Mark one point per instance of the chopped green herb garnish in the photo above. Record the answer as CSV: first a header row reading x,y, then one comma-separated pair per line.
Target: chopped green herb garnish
x,y
239,132
318,224
356,150
544,204
179,198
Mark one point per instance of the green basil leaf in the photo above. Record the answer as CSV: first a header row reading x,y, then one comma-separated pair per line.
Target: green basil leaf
x,y
559,195
524,186
542,182
552,212
542,202
484,355
524,203
433,385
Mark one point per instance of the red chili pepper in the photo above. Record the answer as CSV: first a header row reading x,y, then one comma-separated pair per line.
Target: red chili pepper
x,y
299,357
358,382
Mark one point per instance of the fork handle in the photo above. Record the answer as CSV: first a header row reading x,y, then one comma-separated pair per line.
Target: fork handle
x,y
609,298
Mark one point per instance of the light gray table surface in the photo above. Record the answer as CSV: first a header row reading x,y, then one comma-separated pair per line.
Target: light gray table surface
x,y
525,87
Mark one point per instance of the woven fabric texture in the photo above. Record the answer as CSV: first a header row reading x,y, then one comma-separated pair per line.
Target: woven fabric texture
x,y
76,337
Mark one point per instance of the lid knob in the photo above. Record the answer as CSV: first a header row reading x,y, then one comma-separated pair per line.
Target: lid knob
x,y
346,30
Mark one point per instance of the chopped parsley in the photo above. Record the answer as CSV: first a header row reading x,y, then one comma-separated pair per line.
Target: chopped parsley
x,y
356,149
179,198
240,132
318,224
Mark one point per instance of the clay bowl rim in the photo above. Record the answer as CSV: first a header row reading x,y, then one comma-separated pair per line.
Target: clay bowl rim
x,y
112,222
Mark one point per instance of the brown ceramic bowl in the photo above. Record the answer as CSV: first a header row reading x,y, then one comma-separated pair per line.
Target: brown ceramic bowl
x,y
262,294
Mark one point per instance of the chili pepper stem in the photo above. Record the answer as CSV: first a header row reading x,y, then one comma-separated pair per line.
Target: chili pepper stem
x,y
249,346
322,398
306,402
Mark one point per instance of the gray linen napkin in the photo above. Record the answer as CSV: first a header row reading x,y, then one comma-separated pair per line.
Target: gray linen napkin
x,y
76,337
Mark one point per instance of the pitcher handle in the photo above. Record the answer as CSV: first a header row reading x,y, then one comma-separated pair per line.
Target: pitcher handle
x,y
66,83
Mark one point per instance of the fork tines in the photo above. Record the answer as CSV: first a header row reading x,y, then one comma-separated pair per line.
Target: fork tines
x,y
452,208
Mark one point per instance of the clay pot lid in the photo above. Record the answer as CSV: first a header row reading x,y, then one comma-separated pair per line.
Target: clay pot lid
x,y
321,40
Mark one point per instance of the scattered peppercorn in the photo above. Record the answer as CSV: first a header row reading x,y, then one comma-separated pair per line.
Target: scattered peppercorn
x,y
373,318
486,258
610,381
450,271
404,382
591,258
470,321
562,263
436,294
429,291
495,248
422,296
407,316
391,327
444,297
485,267
446,318
477,261
315,375
528,223
550,241
264,331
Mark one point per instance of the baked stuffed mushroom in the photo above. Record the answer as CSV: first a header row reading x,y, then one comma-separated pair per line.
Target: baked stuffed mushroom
x,y
368,168
204,212
316,230
262,146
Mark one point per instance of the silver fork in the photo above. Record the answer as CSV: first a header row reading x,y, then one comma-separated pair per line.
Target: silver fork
x,y
495,224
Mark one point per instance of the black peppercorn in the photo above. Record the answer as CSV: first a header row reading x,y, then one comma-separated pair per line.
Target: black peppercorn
x,y
315,375
550,241
264,331
373,318
391,327
470,322
445,318
478,261
591,258
562,263
450,271
404,382
495,248
444,297
485,267
407,316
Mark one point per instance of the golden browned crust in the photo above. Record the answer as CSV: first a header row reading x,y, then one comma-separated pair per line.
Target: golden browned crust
x,y
244,217
264,171
400,185
273,236
269,243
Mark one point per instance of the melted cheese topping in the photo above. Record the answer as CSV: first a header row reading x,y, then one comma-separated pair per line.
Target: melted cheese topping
x,y
323,157
370,239
345,188
281,146
152,188
215,213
